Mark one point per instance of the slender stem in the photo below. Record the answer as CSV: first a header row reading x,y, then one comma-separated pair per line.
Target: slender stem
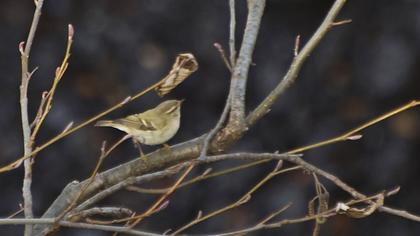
x,y
47,100
160,201
241,200
94,173
130,181
76,225
297,63
355,131
38,149
27,180
216,129
196,179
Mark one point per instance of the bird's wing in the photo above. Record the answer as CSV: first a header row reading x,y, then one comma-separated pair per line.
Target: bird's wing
x,y
137,122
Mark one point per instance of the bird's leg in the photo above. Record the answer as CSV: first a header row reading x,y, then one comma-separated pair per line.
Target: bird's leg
x,y
166,147
138,146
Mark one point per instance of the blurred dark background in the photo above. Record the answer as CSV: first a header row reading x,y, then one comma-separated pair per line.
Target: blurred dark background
x,y
359,71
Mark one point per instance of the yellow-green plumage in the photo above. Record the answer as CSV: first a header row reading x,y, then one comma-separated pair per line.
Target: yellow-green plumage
x,y
152,127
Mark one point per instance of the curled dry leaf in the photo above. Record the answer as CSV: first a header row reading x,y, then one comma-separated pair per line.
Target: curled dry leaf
x,y
185,64
354,212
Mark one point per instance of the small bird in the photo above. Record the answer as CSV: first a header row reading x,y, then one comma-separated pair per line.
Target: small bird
x,y
152,127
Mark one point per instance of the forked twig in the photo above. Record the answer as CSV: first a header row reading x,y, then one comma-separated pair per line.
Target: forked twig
x,y
38,149
243,199
104,153
25,51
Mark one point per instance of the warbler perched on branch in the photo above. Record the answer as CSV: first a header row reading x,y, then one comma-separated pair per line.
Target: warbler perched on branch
x,y
152,127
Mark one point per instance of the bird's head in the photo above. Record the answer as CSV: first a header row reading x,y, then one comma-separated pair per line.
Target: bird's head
x,y
170,107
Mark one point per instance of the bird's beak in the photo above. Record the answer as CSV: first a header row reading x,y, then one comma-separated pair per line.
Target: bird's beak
x,y
181,101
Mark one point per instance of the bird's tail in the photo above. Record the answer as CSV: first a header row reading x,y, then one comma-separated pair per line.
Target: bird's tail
x,y
105,123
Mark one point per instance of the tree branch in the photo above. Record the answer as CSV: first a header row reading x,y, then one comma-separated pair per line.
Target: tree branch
x,y
27,180
240,70
296,65
232,30
115,178
76,225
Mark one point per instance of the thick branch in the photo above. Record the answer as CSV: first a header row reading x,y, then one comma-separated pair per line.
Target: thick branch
x,y
152,162
232,30
241,68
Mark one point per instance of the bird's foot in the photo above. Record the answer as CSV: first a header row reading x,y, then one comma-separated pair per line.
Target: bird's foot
x,y
138,146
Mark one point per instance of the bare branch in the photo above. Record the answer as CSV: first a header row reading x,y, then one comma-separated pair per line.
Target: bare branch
x,y
114,212
104,153
216,129
38,149
249,156
232,29
47,98
241,68
157,205
241,200
129,181
69,224
197,179
296,65
114,178
27,180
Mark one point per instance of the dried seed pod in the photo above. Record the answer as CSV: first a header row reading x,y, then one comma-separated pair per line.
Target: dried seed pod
x,y
185,64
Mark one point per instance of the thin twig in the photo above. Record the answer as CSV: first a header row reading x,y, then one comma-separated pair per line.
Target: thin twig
x,y
350,135
129,181
338,182
243,199
166,195
223,55
296,65
195,180
274,214
342,22
134,220
38,149
25,53
45,106
104,154
326,214
73,201
216,129
249,156
17,212
41,106
69,224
